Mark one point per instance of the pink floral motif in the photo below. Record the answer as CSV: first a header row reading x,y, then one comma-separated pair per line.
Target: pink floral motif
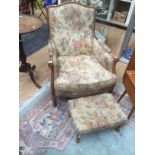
x,y
104,104
77,44
91,27
77,25
102,123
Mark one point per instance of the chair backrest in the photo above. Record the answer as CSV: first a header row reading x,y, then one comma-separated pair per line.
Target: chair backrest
x,y
71,28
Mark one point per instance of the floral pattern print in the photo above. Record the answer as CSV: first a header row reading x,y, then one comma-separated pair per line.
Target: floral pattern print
x,y
82,73
81,65
102,53
29,150
96,112
72,28
45,126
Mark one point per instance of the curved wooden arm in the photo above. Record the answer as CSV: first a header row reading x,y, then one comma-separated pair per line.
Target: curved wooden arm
x,y
51,66
106,48
116,59
50,62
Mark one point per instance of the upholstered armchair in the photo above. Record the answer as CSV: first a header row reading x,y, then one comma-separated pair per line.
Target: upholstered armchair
x,y
80,66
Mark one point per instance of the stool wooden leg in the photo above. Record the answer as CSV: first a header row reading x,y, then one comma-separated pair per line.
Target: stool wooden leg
x,y
122,95
77,138
118,128
69,114
132,110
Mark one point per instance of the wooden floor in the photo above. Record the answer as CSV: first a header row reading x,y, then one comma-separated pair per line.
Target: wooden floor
x,y
40,59
114,37
42,73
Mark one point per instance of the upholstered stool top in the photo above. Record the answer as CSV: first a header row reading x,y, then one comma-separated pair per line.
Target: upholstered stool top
x,y
96,112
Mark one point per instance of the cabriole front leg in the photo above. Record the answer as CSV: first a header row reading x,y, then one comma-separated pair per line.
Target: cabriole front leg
x,y
51,65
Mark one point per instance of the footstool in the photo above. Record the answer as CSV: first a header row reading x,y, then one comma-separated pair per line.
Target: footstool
x,y
94,113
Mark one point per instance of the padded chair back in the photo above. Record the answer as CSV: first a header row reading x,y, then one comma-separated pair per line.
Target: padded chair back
x,y
71,28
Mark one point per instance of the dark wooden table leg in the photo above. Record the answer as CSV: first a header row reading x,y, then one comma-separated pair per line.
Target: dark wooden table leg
x,y
32,6
26,67
32,78
21,51
122,96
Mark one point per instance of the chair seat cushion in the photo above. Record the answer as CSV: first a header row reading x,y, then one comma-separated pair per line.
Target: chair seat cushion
x,y
96,112
82,74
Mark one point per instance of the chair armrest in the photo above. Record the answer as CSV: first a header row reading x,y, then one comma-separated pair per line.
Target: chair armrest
x,y
104,56
106,48
53,62
116,59
50,62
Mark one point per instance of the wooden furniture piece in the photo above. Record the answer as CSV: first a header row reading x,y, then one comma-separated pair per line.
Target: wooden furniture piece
x,y
129,82
124,8
35,3
106,10
27,24
79,65
93,113
24,6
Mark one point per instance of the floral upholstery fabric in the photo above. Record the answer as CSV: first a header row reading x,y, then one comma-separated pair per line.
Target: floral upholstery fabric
x,y
81,74
95,113
72,28
102,53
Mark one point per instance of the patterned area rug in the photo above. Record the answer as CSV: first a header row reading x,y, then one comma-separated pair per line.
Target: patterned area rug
x,y
46,127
